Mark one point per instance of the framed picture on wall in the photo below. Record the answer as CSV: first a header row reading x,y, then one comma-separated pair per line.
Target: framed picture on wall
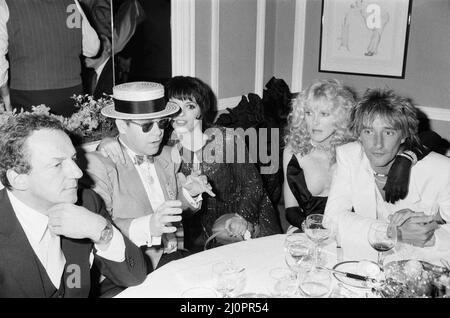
x,y
365,37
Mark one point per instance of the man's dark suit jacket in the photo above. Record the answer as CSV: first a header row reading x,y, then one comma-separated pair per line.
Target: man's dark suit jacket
x,y
105,81
22,274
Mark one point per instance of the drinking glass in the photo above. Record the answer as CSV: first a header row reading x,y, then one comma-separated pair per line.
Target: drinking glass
x,y
316,232
284,282
316,282
298,251
382,237
229,278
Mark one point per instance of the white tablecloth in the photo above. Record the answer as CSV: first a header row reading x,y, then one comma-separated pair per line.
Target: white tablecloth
x,y
259,256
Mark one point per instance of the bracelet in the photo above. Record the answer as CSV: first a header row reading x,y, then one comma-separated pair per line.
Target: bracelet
x,y
411,156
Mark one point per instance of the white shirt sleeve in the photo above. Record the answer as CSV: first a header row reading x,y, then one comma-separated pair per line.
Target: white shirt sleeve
x,y
140,232
443,232
4,65
91,42
115,250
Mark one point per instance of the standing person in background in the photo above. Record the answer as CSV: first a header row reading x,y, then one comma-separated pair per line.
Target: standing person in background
x,y
150,48
99,14
98,77
44,40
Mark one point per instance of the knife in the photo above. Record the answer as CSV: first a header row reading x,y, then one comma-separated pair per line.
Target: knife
x,y
351,275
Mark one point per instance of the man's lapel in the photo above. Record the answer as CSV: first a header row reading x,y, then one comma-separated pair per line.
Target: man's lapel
x,y
104,82
413,199
166,176
17,251
364,194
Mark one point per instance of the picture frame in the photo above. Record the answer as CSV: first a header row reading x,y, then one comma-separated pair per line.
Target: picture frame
x,y
365,37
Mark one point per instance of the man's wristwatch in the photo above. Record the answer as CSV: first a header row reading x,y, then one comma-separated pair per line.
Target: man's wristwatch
x,y
107,234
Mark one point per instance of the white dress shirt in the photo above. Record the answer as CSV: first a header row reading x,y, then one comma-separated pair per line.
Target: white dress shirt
x,y
90,44
99,69
140,227
47,246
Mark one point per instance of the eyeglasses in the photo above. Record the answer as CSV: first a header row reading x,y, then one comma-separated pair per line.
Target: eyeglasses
x,y
146,127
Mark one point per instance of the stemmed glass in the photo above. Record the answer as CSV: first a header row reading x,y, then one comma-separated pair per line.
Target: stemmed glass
x,y
229,278
297,251
316,232
382,237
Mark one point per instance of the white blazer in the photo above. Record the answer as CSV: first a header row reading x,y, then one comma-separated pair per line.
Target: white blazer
x,y
353,189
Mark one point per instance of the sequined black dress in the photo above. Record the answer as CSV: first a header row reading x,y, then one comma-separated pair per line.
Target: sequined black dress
x,y
308,204
238,188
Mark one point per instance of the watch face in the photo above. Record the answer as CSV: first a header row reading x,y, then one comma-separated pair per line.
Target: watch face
x,y
107,233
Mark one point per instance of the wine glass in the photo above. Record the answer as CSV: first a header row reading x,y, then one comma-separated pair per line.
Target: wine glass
x,y
382,237
229,278
316,232
316,282
298,251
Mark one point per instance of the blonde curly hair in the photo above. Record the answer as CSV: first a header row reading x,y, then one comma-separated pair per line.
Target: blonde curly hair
x,y
341,100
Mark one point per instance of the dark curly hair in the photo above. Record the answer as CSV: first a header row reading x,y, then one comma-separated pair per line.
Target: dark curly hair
x,y
13,135
194,89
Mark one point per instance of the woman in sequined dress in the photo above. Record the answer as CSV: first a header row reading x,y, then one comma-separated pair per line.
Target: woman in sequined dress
x,y
238,186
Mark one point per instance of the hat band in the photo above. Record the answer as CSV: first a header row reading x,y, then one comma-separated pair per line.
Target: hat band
x,y
140,107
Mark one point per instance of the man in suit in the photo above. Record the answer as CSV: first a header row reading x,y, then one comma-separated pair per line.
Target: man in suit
x,y
98,77
144,194
51,231
385,123
43,40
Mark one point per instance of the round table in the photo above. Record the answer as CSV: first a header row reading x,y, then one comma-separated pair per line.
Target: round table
x,y
259,256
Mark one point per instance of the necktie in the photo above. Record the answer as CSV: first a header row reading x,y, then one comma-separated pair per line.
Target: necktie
x,y
91,80
140,159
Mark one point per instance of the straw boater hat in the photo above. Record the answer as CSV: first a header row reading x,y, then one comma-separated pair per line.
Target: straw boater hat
x,y
139,100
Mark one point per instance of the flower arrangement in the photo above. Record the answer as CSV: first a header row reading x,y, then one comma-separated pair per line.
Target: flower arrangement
x,y
85,125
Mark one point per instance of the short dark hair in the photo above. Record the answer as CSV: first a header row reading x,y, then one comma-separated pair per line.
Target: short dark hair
x,y
192,88
397,110
13,135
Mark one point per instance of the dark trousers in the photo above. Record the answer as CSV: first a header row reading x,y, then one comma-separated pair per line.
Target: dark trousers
x,y
58,100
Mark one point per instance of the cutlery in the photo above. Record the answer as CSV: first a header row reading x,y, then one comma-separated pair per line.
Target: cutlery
x,y
350,275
